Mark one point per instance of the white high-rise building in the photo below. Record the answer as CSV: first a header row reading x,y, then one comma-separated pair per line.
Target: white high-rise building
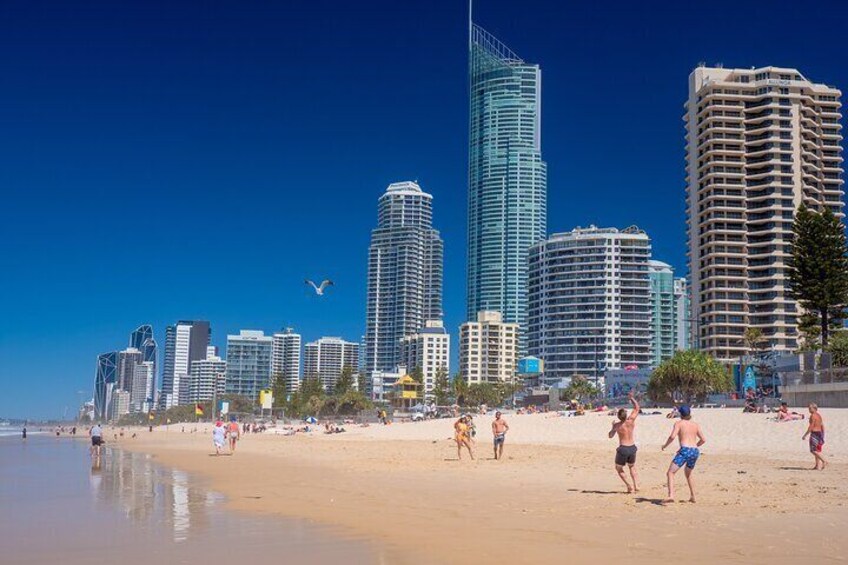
x,y
120,405
590,301
207,375
248,363
185,341
404,273
285,359
141,395
488,349
682,326
759,143
429,350
325,359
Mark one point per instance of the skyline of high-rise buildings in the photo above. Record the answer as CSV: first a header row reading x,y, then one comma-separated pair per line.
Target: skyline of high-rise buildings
x,y
760,142
507,178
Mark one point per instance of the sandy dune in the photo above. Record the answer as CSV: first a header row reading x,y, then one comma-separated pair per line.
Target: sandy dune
x,y
554,497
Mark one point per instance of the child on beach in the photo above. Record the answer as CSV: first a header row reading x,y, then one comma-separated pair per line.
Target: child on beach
x,y
815,431
691,439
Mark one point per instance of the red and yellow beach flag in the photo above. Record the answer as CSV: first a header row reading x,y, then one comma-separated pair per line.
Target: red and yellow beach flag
x,y
198,410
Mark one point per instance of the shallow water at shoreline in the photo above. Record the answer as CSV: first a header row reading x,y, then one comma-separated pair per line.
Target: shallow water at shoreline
x,y
57,504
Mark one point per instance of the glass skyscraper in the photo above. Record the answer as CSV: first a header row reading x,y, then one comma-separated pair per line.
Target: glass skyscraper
x,y
507,178
663,311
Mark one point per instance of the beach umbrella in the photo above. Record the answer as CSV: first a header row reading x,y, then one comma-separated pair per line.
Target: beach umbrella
x,y
310,420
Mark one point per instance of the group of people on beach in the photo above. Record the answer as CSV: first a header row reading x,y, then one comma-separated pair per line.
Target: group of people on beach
x,y
690,437
688,434
464,432
222,434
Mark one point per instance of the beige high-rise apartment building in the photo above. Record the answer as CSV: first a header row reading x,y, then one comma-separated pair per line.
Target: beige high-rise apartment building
x,y
488,349
429,350
759,142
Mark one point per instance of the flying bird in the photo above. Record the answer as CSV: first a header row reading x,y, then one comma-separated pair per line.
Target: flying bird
x,y
319,289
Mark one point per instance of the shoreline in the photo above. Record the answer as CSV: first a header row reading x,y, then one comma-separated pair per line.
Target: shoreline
x,y
398,486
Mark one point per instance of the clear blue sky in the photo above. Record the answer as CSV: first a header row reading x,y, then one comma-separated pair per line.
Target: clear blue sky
x,y
167,160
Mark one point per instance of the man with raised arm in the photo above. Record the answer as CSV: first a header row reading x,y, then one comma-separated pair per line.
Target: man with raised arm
x,y
626,452
691,439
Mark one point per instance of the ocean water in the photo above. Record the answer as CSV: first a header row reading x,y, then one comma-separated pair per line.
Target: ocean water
x,y
59,505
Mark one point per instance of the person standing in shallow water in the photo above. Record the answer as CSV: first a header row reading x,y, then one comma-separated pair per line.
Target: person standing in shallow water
x,y
23,434
626,452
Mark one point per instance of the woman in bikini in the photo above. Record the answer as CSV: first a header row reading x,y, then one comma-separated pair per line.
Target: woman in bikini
x,y
461,437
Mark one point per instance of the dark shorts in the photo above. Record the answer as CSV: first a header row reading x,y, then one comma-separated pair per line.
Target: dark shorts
x,y
625,455
96,440
499,439
816,442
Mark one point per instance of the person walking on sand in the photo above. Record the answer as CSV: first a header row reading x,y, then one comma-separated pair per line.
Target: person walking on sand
x,y
461,437
815,431
218,437
96,433
691,439
499,430
234,434
625,454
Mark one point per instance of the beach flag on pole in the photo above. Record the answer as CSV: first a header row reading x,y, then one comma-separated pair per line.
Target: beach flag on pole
x,y
198,410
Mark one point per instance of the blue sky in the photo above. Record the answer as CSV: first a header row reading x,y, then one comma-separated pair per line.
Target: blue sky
x,y
164,161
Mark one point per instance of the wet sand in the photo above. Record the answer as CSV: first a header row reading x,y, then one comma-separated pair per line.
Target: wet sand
x,y
58,506
554,497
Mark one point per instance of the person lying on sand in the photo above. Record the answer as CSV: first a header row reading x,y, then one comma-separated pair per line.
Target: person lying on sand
x,y
784,415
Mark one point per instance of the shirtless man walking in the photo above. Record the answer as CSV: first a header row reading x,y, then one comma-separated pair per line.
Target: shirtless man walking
x,y
815,431
691,438
499,430
626,452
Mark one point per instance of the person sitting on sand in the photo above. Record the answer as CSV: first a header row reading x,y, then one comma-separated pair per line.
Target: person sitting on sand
x,y
784,415
815,430
461,437
626,451
218,437
691,439
675,413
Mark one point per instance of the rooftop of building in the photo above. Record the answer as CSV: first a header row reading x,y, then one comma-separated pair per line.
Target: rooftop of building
x,y
406,188
594,231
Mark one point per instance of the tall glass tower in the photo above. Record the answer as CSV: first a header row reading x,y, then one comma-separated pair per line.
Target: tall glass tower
x,y
507,178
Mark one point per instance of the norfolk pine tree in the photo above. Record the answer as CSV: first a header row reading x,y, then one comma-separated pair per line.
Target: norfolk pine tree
x,y
818,274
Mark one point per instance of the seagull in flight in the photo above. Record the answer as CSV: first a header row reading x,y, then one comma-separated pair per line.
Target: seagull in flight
x,y
319,288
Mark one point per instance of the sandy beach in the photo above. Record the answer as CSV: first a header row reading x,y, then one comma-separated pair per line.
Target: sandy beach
x,y
554,496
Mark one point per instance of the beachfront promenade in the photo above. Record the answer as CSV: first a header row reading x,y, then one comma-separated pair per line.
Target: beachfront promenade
x,y
555,495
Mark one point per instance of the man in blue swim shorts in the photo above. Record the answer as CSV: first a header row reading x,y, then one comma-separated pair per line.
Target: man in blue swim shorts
x,y
691,438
